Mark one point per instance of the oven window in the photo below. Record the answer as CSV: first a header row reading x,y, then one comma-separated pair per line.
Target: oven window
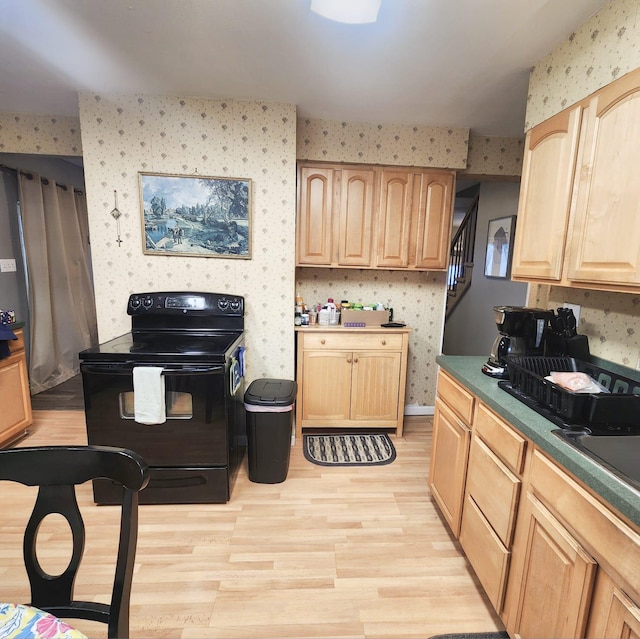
x,y
179,405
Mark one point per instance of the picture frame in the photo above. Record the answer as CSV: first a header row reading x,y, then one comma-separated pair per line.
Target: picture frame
x,y
195,215
500,234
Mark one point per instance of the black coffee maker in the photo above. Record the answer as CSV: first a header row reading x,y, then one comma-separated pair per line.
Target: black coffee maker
x,y
522,331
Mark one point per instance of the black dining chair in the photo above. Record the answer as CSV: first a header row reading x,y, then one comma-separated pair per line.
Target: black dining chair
x,y
56,470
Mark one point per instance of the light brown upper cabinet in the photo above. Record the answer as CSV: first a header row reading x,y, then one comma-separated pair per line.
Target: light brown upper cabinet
x,y
394,218
355,216
605,244
545,197
579,211
315,206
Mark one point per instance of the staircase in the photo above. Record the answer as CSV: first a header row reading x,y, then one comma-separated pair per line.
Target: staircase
x,y
461,258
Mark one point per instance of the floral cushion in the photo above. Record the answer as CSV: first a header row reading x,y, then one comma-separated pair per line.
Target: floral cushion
x,y
25,622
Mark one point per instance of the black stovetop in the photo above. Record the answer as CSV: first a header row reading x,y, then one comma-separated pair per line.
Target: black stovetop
x,y
175,347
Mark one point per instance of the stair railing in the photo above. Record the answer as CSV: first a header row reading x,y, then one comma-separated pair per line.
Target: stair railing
x,y
461,257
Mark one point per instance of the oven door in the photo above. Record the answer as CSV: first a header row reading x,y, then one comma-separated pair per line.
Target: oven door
x,y
195,432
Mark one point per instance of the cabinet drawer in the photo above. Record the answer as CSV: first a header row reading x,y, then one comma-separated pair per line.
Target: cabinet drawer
x,y
353,341
456,396
508,445
494,488
17,344
487,555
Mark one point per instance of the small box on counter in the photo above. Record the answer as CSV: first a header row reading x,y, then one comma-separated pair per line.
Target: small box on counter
x,y
7,317
363,318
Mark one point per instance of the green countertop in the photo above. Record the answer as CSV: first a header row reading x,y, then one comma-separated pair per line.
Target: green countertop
x,y
467,370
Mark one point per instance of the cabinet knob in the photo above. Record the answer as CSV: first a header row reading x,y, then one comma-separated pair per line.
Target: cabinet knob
x,y
355,360
384,342
323,341
348,360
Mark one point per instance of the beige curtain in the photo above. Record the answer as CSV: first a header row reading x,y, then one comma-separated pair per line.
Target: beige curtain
x,y
60,287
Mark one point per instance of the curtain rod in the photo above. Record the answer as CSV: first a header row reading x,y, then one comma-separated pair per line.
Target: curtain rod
x,y
43,180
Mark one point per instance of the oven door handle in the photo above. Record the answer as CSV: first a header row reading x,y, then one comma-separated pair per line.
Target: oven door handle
x,y
128,369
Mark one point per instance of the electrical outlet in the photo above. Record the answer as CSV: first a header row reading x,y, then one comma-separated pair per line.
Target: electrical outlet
x,y
7,266
575,308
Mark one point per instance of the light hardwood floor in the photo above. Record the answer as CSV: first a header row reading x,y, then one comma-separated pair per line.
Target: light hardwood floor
x,y
339,552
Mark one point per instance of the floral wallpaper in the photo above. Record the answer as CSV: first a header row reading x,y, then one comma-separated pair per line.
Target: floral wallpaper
x,y
417,299
125,134
398,144
606,47
494,156
32,133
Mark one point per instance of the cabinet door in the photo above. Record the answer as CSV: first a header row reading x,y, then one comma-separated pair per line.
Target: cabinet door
x,y
14,397
375,386
545,197
394,218
356,217
431,224
613,613
449,455
315,207
554,578
605,246
326,385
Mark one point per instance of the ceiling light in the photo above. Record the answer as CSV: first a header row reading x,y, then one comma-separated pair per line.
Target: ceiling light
x,y
348,11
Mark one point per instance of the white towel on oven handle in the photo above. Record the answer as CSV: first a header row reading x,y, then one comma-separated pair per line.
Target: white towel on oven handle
x,y
148,395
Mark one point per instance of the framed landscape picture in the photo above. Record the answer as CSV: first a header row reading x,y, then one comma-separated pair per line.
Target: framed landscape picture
x,y
499,247
194,215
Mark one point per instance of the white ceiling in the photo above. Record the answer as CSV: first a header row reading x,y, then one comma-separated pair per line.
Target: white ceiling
x,y
457,63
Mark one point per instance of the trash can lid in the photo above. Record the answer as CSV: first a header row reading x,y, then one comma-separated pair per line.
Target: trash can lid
x,y
271,392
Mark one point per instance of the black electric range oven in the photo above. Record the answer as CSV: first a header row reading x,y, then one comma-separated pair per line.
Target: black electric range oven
x,y
194,452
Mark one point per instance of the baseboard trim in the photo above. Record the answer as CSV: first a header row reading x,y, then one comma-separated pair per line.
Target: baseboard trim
x,y
414,409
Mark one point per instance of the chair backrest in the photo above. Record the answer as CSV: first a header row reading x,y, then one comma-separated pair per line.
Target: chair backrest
x,y
56,470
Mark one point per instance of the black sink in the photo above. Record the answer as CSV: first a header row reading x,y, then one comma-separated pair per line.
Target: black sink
x,y
620,454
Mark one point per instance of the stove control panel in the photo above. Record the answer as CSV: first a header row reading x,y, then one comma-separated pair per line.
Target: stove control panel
x,y
187,303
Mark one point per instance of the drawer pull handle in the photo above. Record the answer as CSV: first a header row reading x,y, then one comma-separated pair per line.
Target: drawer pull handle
x,y
323,341
384,342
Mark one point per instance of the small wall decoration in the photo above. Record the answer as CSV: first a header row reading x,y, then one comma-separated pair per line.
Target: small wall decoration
x,y
499,247
194,215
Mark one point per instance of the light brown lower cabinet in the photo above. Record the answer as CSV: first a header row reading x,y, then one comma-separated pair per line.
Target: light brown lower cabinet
x,y
449,455
572,554
613,613
554,577
488,519
15,399
553,558
351,378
